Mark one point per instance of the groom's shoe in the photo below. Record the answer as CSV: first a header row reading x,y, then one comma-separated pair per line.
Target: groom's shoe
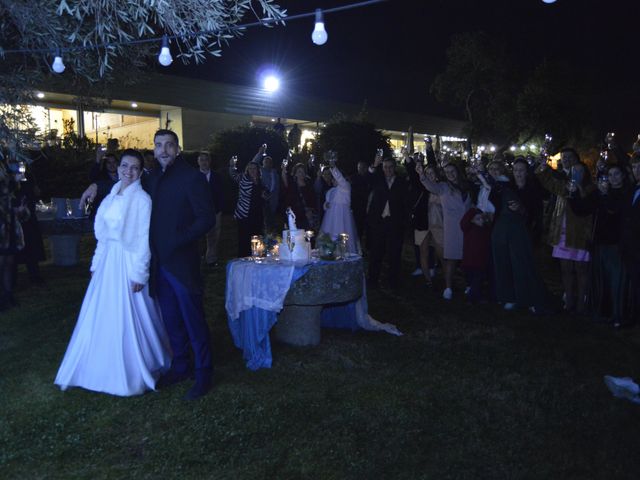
x,y
171,378
199,389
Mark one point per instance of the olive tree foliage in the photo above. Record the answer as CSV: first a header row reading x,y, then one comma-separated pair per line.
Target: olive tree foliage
x,y
90,34
93,33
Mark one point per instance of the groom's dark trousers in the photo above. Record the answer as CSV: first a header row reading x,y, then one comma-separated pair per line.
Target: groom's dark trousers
x,y
186,326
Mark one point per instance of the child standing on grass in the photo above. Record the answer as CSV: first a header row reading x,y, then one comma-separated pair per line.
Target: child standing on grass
x,y
476,248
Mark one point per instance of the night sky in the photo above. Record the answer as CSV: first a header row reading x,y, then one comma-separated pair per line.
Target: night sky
x,y
389,54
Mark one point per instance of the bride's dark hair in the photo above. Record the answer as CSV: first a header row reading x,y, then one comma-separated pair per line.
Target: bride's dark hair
x,y
130,152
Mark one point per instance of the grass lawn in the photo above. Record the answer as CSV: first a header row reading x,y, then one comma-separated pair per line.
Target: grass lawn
x,y
467,392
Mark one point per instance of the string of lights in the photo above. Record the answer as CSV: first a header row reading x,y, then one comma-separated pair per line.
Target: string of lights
x,y
319,36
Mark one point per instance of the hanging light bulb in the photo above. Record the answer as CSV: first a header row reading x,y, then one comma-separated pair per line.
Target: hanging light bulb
x,y
165,57
58,65
319,34
549,1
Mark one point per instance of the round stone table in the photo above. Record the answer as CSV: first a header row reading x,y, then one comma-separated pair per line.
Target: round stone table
x,y
324,284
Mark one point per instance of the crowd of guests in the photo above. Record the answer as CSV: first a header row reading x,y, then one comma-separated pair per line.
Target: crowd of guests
x,y
485,217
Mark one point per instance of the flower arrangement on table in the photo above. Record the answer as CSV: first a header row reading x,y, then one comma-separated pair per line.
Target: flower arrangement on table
x,y
271,242
330,249
326,246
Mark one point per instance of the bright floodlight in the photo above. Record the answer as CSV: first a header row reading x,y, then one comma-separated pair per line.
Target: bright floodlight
x,y
271,83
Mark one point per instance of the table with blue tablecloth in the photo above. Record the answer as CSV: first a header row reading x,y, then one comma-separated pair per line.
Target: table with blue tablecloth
x,y
256,294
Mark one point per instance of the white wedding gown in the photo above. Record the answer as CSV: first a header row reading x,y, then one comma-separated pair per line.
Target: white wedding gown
x,y
119,345
338,218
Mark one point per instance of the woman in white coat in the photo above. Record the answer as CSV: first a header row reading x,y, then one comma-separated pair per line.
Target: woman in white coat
x,y
338,217
119,345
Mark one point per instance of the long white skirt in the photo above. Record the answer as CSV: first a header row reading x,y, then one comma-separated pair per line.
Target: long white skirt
x,y
119,345
339,219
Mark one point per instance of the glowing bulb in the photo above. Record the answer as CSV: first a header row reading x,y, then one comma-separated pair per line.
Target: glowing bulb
x,y
165,57
513,148
58,65
134,105
271,83
319,34
493,149
549,1
40,95
523,148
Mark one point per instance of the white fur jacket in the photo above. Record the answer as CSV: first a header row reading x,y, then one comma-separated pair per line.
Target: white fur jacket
x,y
125,219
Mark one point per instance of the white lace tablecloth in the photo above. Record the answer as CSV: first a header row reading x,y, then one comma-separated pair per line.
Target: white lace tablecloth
x,y
264,286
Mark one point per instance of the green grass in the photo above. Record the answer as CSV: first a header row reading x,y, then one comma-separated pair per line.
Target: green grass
x,y
467,392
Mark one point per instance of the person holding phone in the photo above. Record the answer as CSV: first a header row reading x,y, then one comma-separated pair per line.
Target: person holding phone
x,y
569,233
517,281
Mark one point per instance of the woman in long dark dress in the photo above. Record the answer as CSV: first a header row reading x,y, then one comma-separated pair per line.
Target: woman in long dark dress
x,y
517,280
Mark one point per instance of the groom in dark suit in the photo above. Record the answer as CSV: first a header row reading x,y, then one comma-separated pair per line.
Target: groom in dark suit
x,y
386,218
182,212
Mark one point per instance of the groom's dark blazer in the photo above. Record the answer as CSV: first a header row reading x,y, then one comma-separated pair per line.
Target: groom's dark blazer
x,y
182,212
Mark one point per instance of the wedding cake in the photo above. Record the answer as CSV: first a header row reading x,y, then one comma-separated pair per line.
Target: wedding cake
x,y
294,236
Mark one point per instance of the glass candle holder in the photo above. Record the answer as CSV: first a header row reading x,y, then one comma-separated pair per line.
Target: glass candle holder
x,y
255,244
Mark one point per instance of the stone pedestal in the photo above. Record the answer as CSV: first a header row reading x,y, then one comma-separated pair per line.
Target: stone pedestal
x,y
324,284
299,326
64,249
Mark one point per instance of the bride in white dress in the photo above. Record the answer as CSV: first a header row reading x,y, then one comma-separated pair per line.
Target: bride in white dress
x,y
119,345
338,217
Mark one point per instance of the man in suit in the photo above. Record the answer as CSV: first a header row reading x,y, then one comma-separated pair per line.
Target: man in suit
x,y
386,218
215,186
181,213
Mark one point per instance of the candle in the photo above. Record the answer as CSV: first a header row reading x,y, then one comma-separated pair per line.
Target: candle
x,y
255,242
